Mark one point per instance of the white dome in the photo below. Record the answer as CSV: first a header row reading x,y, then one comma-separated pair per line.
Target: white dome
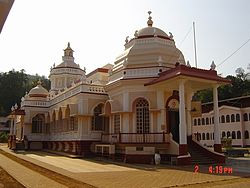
x,y
151,31
38,91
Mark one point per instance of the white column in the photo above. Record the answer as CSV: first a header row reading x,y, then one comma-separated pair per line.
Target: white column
x,y
189,118
80,125
125,117
126,102
125,123
111,121
14,129
216,116
162,115
11,126
151,129
182,114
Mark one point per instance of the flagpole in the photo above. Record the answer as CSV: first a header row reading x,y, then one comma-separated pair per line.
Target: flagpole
x,y
195,54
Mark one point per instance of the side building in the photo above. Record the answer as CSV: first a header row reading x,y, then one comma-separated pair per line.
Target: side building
x,y
234,119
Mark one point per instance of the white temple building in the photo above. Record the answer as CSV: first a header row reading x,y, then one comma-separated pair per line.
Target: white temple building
x,y
139,106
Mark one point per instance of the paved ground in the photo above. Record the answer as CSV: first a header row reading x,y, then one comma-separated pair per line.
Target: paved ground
x,y
25,176
105,174
240,164
7,180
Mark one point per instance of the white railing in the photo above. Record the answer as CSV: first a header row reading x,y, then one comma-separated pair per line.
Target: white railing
x,y
159,137
65,94
142,72
96,89
62,70
35,103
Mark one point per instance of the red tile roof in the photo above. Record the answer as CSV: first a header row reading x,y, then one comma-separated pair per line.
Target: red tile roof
x,y
183,70
18,112
104,70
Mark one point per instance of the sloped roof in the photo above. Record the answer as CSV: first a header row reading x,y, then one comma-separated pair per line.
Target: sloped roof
x,y
183,70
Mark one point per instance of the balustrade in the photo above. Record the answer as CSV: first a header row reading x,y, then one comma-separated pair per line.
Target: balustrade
x,y
134,138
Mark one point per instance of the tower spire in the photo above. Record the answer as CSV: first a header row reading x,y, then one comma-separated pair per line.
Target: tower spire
x,y
150,21
68,51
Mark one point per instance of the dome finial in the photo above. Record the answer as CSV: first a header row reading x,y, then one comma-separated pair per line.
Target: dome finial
x,y
150,21
68,44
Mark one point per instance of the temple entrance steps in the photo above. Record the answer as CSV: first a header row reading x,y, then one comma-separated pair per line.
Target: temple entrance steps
x,y
198,157
203,155
20,145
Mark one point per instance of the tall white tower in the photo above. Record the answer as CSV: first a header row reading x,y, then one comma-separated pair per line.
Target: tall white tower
x,y
62,75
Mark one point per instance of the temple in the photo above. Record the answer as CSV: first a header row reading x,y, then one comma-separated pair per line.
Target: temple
x,y
129,110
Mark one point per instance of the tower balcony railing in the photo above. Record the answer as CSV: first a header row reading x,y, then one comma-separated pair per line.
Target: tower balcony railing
x,y
135,138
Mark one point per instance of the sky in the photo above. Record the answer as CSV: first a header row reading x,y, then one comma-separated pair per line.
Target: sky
x,y
36,31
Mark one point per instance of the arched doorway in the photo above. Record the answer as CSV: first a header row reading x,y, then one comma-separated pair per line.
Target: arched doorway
x,y
172,117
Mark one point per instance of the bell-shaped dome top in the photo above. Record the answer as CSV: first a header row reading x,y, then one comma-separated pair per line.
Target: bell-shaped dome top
x,y
146,31
150,30
38,91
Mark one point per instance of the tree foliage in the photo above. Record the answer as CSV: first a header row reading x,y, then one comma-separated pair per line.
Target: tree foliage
x,y
240,86
14,85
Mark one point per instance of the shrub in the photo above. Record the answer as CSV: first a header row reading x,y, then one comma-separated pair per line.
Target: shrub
x,y
3,137
226,142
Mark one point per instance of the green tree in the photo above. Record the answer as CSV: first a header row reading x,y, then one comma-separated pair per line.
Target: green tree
x,y
13,85
239,86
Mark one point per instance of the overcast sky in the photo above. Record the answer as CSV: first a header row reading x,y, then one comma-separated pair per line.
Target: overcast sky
x,y
36,31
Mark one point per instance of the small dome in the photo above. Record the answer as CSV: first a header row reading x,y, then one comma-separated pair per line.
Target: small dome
x,y
151,31
38,91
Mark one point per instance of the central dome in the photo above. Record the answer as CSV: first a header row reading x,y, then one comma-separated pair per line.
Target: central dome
x,y
151,31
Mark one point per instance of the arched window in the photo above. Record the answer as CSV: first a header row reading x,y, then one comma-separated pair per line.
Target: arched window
x,y
203,136
245,117
228,119
199,121
207,135
223,134
212,120
195,122
207,121
38,123
232,118
233,135
228,134
97,119
203,121
222,119
142,116
246,134
238,135
237,117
